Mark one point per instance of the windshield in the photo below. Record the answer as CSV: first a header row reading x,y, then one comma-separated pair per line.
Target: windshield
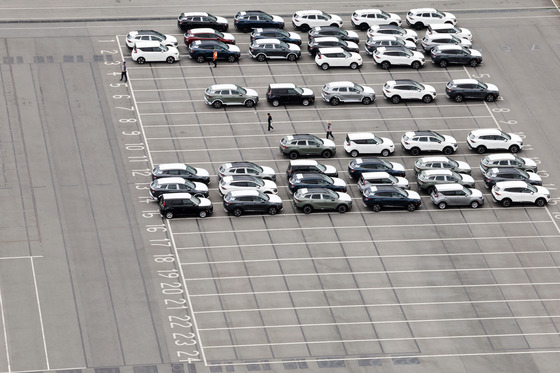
x,y
258,181
347,54
190,169
284,45
159,34
385,14
379,140
439,137
321,167
385,163
212,18
257,167
195,200
483,85
299,90
532,188
359,88
453,163
343,42
242,90
440,13
342,31
331,193
520,160
264,196
218,33
506,135
455,39
327,178
163,48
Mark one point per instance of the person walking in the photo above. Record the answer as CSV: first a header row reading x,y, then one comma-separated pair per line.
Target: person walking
x,y
329,131
215,58
269,122
123,72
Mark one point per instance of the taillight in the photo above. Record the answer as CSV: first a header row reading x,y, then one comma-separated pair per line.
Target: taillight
x,y
319,56
291,170
363,182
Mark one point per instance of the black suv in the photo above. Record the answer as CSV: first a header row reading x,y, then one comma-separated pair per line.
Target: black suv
x,y
443,55
361,165
299,181
330,41
339,32
176,204
181,170
309,166
187,21
459,89
288,93
376,197
263,49
497,174
241,201
276,33
203,50
250,19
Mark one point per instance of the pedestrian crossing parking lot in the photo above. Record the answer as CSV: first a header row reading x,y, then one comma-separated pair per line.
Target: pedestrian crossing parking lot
x,y
443,288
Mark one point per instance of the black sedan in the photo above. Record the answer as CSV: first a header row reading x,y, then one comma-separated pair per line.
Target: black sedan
x,y
203,50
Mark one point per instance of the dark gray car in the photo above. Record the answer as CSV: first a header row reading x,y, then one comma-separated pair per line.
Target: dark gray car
x,y
305,144
310,199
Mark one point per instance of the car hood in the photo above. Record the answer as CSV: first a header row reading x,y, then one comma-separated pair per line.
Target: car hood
x,y
228,36
463,165
277,19
335,18
294,47
353,34
467,179
234,48
541,190
450,139
419,55
533,176
200,186
328,142
294,35
429,88
268,170
408,44
401,181
221,20
251,92
205,202
308,92
202,172
529,162
492,87
270,184
449,15
413,195
515,138
274,198
476,193
170,39
330,169
352,45
397,166
465,42
371,91
344,197
387,141
475,53
338,182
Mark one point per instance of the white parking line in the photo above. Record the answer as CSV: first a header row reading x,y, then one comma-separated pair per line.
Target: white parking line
x,y
40,313
5,332
20,257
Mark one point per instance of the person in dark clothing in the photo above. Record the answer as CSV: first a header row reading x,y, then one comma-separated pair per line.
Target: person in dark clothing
x,y
269,122
329,131
123,72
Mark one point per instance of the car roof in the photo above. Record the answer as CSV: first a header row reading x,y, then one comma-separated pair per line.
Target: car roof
x,y
504,169
486,131
360,135
375,175
331,50
208,42
202,30
494,157
303,162
302,136
441,26
223,86
309,12
440,36
146,43
326,38
512,183
282,85
309,175
176,196
313,190
381,37
240,193
342,83
239,177
171,180
392,48
437,172
405,81
464,81
447,187
434,158
383,187
420,133
241,163
172,166
447,47
369,11
423,10
323,28
195,14
385,27
267,41
368,160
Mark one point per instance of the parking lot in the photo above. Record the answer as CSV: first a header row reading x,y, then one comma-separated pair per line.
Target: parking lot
x,y
456,289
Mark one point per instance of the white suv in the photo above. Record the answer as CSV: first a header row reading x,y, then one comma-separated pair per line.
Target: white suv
x,y
387,56
493,138
431,41
407,89
367,143
508,192
337,57
231,183
430,141
153,51
422,17
363,19
305,19
150,35
397,31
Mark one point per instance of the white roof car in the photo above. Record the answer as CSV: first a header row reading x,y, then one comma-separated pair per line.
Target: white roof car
x,y
154,51
357,143
337,57
346,91
150,35
446,28
408,89
422,17
508,192
305,19
388,56
493,138
430,41
231,183
398,31
365,18
383,40
427,140
381,178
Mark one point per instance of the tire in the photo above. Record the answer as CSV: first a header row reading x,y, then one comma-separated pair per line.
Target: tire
x,y
272,211
416,65
325,66
249,103
448,150
275,103
540,202
506,202
170,60
217,104
473,63
231,59
418,25
202,213
376,207
385,65
326,153
459,98
427,99
334,25
307,209
366,100
475,204
415,151
141,60
490,98
363,27
442,205
292,57
353,65
334,101
481,149
443,64
237,212
342,208
293,155
200,59
396,99
385,153
514,148
304,28
261,57
411,207
169,215
305,102
354,153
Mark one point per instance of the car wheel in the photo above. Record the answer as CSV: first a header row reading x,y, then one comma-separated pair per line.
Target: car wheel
x,y
325,66
490,98
335,25
366,100
354,153
418,25
353,65
231,59
304,27
141,60
237,212
305,102
459,98
514,148
292,57
249,103
385,65
342,208
294,155
364,27
272,211
481,149
275,102
217,104
202,214
415,65
411,207
415,151
506,202
200,59
396,99
170,60
326,154
448,150
385,152
475,204
376,207
442,205
169,215
261,57
473,63
540,202
335,101
427,99
307,209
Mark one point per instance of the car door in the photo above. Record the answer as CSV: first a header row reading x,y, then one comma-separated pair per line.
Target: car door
x,y
353,95
222,52
478,91
314,147
371,146
259,203
526,195
343,93
291,96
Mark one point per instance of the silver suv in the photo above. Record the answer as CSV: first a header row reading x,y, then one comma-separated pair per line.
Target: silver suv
x,y
219,95
456,195
428,141
337,92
